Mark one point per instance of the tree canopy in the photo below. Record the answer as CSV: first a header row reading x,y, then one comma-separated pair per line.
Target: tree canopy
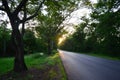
x,y
21,11
100,32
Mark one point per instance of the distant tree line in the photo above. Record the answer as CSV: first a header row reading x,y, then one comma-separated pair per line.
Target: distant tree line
x,y
100,33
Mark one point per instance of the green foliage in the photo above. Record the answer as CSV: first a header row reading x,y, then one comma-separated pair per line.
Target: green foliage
x,y
6,65
50,24
69,44
107,30
4,39
106,56
29,41
101,32
58,71
40,45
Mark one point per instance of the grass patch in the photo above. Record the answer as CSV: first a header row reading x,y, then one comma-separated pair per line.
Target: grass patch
x,y
104,56
62,70
6,64
40,68
35,60
57,73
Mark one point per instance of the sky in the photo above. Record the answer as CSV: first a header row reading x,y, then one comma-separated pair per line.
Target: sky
x,y
94,1
76,17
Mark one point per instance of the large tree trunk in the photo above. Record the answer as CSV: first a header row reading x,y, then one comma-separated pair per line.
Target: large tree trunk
x,y
19,63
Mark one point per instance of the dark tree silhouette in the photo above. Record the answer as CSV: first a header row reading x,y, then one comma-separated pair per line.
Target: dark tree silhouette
x,y
17,36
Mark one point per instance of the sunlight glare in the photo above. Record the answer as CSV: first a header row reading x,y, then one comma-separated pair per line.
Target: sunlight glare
x,y
60,40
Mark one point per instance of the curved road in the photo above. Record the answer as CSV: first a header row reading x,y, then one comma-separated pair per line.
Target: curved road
x,y
84,67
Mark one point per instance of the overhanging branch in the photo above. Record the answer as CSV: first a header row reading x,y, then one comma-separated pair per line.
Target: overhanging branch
x,y
5,4
61,27
35,14
20,6
2,9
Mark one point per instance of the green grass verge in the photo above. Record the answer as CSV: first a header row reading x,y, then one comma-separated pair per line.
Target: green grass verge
x,y
104,56
57,61
6,64
62,70
53,63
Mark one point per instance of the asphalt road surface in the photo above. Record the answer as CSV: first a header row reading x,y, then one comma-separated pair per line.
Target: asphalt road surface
x,y
84,67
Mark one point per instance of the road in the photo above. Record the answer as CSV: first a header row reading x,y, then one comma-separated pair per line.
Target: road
x,y
84,67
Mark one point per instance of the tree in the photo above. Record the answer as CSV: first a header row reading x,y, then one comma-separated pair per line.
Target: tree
x,y
4,38
101,31
107,16
29,41
50,26
49,30
79,37
69,44
13,8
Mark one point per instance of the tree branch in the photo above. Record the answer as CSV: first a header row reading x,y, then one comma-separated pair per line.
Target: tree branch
x,y
5,4
20,6
23,24
2,9
35,14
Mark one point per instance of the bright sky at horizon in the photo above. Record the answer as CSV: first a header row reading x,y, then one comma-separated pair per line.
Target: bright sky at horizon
x,y
76,17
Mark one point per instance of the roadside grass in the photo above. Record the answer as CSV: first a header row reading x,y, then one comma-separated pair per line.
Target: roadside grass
x,y
55,60
50,67
6,64
101,55
106,56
